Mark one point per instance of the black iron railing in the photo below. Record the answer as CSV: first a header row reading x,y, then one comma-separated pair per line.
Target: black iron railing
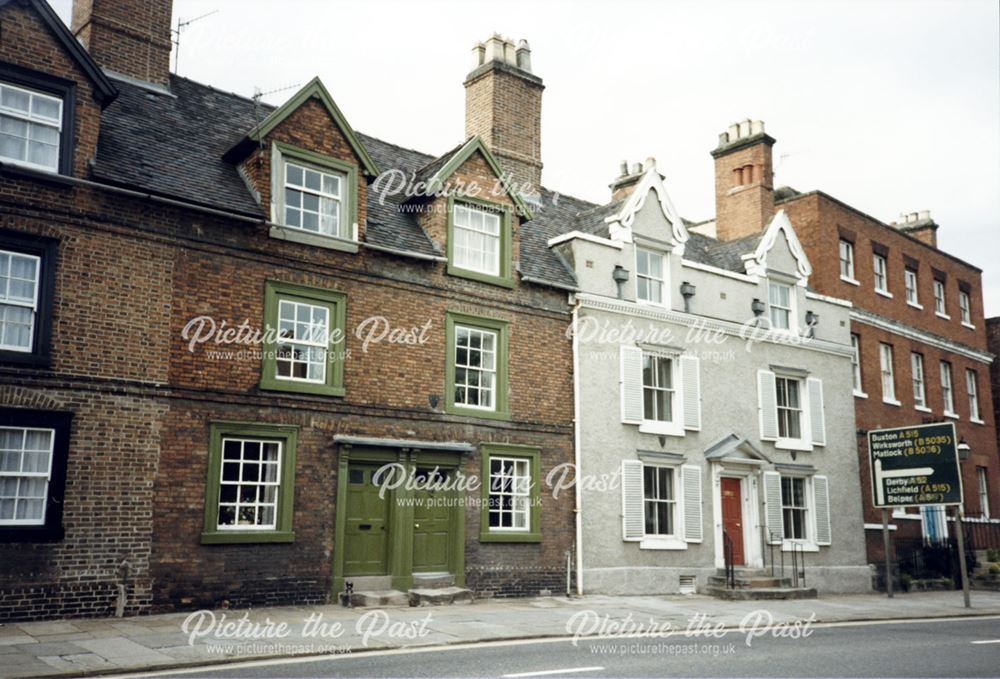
x,y
727,551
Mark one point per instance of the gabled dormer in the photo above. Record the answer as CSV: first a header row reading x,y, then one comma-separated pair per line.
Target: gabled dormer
x,y
51,95
470,212
631,248
780,265
308,170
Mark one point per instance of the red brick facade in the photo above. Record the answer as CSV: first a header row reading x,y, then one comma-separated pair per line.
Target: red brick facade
x,y
822,223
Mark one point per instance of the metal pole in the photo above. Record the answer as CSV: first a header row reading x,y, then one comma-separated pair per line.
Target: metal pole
x,y
888,554
962,566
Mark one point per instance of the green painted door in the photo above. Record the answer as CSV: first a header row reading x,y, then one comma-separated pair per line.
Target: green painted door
x,y
366,536
432,523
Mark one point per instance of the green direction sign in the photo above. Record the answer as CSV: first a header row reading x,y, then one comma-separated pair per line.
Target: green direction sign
x,y
915,466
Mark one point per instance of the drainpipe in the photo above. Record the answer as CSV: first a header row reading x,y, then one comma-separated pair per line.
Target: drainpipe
x,y
576,446
123,572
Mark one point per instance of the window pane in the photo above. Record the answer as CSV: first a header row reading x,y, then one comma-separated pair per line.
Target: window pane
x,y
14,99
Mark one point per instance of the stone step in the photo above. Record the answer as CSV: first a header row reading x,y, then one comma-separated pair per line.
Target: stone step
x,y
433,580
441,596
757,581
761,593
376,598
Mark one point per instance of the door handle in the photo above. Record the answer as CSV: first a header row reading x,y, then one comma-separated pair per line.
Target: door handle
x,y
365,526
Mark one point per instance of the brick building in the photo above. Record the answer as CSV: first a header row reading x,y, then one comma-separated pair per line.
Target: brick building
x,y
149,463
917,321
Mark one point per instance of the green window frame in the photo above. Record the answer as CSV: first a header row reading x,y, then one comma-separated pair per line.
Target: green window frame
x,y
336,303
505,277
283,153
282,532
533,456
500,410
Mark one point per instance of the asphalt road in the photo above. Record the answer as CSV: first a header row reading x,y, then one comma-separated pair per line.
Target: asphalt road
x,y
909,649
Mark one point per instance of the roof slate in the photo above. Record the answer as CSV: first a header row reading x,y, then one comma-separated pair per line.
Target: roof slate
x,y
173,145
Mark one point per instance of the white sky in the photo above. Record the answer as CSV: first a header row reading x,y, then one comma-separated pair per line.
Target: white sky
x,y
890,106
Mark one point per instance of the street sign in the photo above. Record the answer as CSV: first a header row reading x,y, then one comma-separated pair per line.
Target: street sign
x,y
915,466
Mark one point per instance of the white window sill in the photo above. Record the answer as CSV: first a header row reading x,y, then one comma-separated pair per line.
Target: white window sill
x,y
884,293
941,315
976,420
787,545
661,428
897,514
923,409
659,542
860,394
315,239
793,444
852,281
915,305
878,526
655,305
953,416
970,326
891,402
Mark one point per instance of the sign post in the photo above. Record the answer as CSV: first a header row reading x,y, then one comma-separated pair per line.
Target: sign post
x,y
916,466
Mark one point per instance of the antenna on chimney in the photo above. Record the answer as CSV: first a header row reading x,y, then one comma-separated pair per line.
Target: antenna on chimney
x,y
176,38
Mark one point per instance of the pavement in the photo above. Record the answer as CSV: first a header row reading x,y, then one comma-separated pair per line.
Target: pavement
x,y
87,647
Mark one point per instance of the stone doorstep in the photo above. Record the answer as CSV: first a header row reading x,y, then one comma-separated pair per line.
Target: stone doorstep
x,y
762,593
442,596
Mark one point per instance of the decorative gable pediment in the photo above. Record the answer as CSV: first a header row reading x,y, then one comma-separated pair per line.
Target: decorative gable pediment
x,y
779,234
733,448
620,224
314,90
436,174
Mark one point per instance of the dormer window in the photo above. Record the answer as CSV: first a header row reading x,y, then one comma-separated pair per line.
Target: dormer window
x,y
313,200
477,240
649,278
30,127
780,305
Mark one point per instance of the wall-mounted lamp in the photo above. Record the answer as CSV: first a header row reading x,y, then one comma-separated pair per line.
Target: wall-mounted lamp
x,y
620,275
963,450
687,292
757,307
812,320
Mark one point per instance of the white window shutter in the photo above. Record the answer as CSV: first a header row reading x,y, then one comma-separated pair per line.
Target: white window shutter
x,y
772,507
821,492
767,402
817,415
631,380
633,519
691,481
691,384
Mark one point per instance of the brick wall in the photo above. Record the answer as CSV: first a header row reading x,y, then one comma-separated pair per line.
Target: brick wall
x,y
503,106
26,42
744,198
130,37
820,222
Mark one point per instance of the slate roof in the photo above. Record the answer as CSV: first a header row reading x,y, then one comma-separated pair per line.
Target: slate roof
x,y
173,145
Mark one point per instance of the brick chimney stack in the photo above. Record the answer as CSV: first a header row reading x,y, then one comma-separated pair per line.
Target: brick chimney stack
x,y
744,180
503,106
919,225
623,185
128,37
